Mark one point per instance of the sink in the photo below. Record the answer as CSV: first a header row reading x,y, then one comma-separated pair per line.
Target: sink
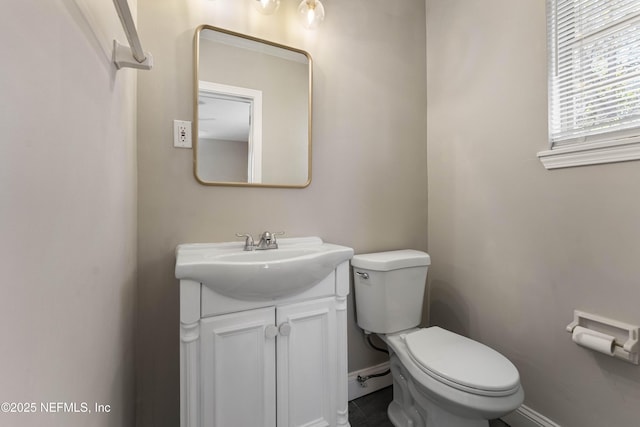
x,y
297,265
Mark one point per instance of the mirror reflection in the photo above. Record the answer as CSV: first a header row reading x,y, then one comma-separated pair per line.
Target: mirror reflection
x,y
252,116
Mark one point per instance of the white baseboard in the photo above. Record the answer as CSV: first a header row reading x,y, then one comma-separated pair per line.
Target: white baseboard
x,y
372,384
527,417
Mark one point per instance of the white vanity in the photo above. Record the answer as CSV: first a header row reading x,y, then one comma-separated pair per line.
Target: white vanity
x,y
263,334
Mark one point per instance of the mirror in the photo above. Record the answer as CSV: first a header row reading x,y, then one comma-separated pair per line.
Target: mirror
x,y
252,112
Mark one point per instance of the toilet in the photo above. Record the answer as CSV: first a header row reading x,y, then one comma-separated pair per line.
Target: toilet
x,y
440,379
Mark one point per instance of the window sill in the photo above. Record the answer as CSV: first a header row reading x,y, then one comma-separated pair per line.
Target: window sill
x,y
593,153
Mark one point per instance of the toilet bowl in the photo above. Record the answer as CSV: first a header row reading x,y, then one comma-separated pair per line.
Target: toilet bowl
x,y
440,379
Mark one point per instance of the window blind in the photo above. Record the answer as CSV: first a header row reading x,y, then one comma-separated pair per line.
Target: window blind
x,y
594,70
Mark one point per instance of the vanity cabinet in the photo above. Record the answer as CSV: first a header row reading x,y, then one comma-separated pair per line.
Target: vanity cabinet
x,y
280,363
237,369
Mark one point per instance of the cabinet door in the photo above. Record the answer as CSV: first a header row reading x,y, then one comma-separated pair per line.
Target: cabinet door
x,y
307,364
238,369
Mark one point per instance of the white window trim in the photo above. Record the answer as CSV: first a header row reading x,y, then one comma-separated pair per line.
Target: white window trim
x,y
607,147
593,153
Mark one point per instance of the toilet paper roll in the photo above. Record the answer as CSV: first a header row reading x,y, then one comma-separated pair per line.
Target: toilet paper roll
x,y
594,340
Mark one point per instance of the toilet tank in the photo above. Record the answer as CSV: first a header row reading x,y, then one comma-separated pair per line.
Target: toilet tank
x,y
389,289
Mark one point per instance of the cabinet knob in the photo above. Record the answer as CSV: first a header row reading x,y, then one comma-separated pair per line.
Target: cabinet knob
x,y
270,331
285,329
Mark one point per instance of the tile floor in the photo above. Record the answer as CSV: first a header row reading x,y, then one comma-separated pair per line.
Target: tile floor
x,y
371,410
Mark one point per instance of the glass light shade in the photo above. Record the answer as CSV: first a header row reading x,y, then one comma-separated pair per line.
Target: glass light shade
x,y
267,7
311,13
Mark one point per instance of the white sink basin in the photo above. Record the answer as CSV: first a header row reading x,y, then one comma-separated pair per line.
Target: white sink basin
x,y
297,265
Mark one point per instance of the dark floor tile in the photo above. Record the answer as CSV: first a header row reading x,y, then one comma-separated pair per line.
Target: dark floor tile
x,y
371,410
376,401
356,416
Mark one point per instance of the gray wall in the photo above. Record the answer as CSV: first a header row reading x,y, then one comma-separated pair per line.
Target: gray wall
x,y
369,158
515,248
67,214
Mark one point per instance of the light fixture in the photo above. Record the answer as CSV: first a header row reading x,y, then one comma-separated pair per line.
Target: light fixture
x,y
311,13
267,7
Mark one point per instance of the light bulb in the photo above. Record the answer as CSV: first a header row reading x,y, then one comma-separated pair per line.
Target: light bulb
x,y
267,7
311,13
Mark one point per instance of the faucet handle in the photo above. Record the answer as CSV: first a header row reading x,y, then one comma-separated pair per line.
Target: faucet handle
x,y
248,241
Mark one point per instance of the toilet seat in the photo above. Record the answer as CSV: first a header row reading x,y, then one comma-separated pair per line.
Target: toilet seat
x,y
462,363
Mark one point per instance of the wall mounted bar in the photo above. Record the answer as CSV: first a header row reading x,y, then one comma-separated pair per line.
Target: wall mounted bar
x,y
133,56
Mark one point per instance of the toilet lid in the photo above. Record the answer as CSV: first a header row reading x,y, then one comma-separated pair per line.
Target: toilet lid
x,y
462,363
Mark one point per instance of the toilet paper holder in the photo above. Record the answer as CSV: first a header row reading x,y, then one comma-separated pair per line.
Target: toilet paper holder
x,y
624,335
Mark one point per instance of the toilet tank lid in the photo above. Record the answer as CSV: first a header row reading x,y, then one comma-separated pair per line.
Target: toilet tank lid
x,y
392,260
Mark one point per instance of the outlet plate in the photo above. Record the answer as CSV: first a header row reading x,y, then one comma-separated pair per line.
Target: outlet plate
x,y
181,134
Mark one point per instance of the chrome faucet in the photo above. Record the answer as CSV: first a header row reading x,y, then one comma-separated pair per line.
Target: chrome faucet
x,y
267,241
